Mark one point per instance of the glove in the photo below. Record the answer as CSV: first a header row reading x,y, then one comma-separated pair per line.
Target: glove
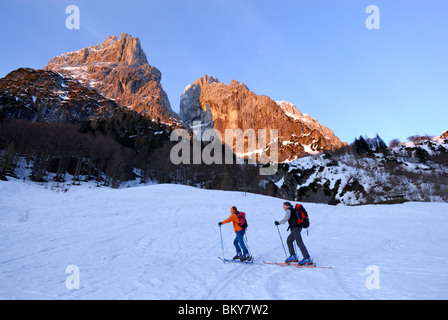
x,y
219,223
277,223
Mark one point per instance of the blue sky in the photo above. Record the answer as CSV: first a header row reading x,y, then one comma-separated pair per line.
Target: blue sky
x,y
316,54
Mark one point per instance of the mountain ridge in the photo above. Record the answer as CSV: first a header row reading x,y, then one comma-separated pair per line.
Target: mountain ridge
x,y
118,69
221,106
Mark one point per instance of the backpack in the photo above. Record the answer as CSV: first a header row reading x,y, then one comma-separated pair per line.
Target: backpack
x,y
303,219
242,220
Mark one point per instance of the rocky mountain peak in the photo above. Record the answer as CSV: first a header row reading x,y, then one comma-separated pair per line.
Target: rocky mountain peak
x,y
126,51
119,69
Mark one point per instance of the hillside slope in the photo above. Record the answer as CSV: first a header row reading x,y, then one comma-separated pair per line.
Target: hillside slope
x,y
46,96
415,171
162,242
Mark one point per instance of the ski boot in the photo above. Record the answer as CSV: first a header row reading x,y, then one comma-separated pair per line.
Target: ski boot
x,y
292,258
246,257
306,262
238,256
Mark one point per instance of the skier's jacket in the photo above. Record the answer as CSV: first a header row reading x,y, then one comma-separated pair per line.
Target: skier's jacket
x,y
299,217
236,221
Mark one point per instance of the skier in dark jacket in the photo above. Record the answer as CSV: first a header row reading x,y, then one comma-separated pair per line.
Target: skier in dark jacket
x,y
291,216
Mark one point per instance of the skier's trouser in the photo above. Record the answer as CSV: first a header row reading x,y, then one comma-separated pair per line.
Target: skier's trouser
x,y
295,235
239,242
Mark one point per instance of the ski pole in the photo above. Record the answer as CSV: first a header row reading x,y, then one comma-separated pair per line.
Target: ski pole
x,y
222,242
281,239
247,246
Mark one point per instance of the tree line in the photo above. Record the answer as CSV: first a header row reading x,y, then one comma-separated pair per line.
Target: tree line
x,y
110,150
61,149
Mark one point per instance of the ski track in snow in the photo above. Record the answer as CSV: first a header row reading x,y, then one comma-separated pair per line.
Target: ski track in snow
x,y
163,242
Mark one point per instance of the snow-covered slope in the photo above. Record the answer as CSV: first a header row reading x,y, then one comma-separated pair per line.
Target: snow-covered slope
x,y
162,242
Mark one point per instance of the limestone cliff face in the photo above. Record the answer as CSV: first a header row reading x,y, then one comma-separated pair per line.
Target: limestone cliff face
x,y
191,108
221,106
119,69
444,135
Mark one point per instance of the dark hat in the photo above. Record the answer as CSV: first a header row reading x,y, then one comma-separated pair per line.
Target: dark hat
x,y
287,204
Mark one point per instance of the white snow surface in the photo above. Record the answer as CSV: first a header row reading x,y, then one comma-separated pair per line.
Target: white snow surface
x,y
163,242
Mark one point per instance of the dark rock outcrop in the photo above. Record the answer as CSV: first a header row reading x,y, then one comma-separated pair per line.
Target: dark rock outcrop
x,y
39,95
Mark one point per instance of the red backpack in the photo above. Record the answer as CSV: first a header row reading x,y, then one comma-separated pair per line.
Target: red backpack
x,y
303,220
242,220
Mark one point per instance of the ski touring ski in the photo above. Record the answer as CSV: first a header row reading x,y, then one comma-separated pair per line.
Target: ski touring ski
x,y
281,264
295,264
236,261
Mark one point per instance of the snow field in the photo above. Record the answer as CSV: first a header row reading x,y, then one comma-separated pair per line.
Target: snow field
x,y
162,242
